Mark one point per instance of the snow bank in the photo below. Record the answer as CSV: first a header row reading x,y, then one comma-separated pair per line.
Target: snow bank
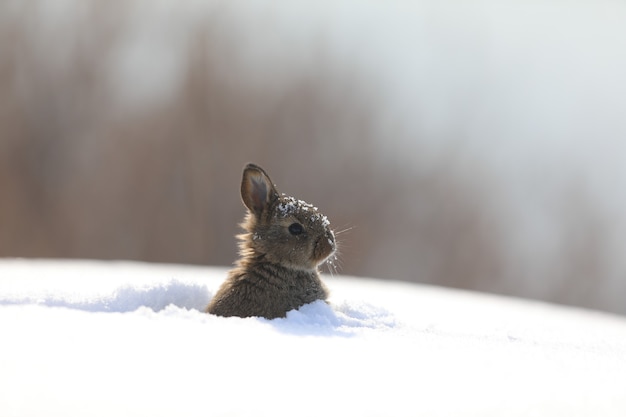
x,y
109,338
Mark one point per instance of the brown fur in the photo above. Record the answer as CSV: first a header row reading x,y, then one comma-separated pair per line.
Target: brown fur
x,y
277,270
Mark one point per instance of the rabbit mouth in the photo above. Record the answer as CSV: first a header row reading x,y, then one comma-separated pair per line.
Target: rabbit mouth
x,y
324,247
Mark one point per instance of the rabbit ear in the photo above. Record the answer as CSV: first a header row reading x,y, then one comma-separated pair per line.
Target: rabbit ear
x,y
257,190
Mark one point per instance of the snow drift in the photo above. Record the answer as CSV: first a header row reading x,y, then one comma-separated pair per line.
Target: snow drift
x,y
117,338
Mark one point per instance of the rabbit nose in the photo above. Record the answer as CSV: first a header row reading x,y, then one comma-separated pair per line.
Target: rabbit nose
x,y
324,247
330,236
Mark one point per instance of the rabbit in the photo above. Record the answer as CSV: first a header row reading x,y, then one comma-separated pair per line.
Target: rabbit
x,y
285,240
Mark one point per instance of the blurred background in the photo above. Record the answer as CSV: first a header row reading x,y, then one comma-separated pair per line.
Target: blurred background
x,y
478,145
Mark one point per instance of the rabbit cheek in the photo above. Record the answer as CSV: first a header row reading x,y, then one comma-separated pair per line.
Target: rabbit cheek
x,y
300,254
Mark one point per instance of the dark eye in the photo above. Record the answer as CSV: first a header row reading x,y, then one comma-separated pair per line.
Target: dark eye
x,y
296,229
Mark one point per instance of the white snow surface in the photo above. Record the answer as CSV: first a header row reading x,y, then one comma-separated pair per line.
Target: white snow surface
x,y
128,339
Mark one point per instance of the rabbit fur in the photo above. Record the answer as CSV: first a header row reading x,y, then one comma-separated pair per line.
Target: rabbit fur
x,y
285,240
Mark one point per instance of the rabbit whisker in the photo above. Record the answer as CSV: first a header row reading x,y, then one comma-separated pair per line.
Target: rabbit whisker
x,y
347,229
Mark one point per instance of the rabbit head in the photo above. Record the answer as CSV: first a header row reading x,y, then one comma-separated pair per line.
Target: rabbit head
x,y
281,229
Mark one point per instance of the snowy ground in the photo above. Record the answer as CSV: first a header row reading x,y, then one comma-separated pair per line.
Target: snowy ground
x,y
114,338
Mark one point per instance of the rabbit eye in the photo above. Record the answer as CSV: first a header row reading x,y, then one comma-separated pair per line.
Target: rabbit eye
x,y
296,229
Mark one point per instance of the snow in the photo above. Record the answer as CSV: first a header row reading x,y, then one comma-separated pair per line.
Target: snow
x,y
290,206
118,338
